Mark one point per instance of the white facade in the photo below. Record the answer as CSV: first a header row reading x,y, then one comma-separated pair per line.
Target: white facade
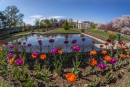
x,y
83,25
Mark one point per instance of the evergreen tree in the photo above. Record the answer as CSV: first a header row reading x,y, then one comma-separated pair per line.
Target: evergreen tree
x,y
66,25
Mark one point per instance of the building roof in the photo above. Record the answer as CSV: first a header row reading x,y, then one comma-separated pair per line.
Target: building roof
x,y
83,22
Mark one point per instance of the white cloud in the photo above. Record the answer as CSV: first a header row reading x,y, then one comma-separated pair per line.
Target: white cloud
x,y
56,17
36,16
75,20
31,19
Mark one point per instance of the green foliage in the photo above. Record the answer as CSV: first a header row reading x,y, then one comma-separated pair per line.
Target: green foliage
x,y
11,16
38,74
110,77
3,84
128,68
66,25
112,36
47,23
58,65
93,25
61,30
82,30
28,83
121,73
6,71
104,33
37,66
43,29
25,68
26,28
46,75
76,64
17,73
95,82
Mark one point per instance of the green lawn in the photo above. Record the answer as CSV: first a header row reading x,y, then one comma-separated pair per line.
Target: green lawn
x,y
103,33
61,30
98,32
19,33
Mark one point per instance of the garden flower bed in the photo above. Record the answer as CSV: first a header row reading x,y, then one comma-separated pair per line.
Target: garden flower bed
x,y
60,69
97,35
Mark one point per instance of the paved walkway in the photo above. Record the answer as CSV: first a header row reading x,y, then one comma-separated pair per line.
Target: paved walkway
x,y
102,42
94,38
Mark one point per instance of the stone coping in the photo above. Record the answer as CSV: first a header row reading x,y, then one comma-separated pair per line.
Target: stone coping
x,y
87,48
97,39
102,42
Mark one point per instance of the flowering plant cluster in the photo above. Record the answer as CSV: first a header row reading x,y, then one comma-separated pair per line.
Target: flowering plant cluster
x,y
58,63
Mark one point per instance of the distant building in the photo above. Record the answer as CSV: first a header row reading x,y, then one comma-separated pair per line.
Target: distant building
x,y
83,25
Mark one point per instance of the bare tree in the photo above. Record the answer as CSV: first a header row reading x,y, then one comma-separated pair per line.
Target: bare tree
x,y
12,16
61,22
71,22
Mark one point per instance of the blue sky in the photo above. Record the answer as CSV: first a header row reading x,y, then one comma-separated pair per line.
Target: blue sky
x,y
99,11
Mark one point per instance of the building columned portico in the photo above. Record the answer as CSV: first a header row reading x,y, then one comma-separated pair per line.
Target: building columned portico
x,y
83,25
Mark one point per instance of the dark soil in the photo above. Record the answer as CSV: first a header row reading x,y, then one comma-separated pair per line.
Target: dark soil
x,y
83,79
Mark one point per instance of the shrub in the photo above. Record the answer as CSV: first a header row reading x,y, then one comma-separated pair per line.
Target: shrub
x,y
26,28
112,36
82,30
43,29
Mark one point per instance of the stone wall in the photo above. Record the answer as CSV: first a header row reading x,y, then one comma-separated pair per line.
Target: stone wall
x,y
4,32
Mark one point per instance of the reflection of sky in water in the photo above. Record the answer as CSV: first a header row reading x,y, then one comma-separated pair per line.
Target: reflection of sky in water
x,y
59,39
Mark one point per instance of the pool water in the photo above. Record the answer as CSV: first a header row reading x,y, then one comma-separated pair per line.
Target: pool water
x,y
58,40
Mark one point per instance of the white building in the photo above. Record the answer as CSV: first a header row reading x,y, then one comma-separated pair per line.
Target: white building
x,y
84,25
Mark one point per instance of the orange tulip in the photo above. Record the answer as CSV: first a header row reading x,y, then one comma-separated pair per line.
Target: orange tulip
x,y
43,56
107,58
33,56
104,52
93,52
60,51
3,45
121,55
72,47
59,48
11,61
1,48
124,43
126,50
127,56
126,46
93,62
20,55
118,46
15,48
70,77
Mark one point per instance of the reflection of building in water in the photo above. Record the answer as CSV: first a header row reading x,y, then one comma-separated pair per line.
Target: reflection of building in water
x,y
81,35
83,25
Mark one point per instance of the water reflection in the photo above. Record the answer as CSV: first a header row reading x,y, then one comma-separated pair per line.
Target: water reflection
x,y
59,39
